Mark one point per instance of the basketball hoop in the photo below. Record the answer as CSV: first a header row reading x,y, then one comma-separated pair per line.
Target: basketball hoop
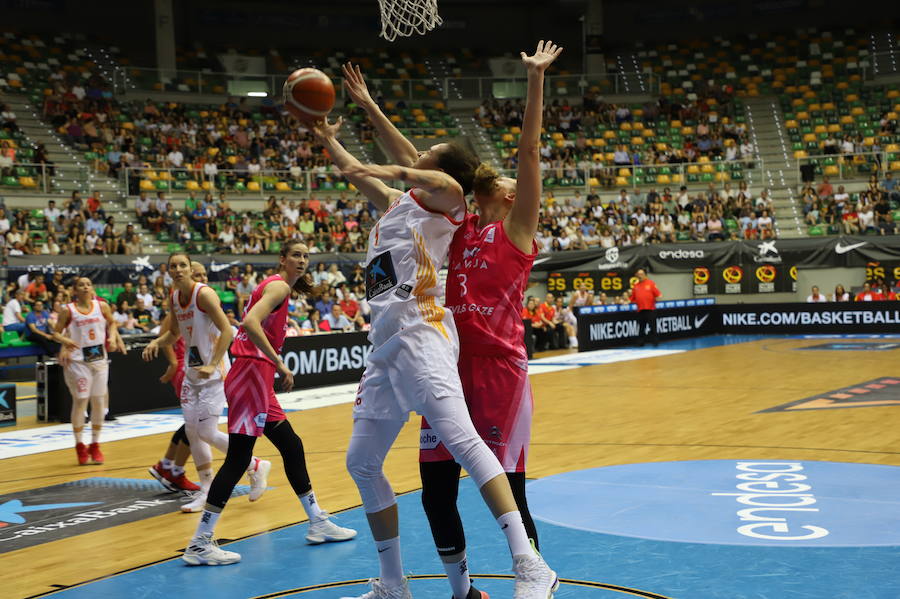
x,y
405,17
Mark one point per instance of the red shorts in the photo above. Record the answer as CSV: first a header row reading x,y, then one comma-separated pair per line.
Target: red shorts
x,y
249,389
498,393
177,381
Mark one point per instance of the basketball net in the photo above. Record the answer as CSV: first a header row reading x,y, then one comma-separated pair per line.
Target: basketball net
x,y
406,17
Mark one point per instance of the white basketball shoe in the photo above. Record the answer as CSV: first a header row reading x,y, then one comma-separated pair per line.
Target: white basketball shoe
x,y
203,550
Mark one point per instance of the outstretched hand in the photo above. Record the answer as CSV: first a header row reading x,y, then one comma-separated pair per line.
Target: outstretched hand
x,y
324,130
543,56
356,86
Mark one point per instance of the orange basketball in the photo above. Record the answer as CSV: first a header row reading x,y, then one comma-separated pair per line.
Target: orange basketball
x,y
308,94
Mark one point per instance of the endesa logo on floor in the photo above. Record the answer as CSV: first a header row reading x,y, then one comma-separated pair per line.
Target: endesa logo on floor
x,y
783,503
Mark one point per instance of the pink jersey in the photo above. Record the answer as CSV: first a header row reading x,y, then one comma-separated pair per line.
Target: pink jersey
x,y
485,287
274,325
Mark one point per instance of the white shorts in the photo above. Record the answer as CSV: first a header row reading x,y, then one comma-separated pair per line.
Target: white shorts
x,y
87,379
408,369
202,400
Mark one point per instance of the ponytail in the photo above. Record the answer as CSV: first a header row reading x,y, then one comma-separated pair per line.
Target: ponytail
x,y
485,180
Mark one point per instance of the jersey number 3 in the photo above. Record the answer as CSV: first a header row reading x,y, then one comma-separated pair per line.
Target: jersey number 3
x,y
463,290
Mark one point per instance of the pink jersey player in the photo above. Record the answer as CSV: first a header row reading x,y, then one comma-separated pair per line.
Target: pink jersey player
x,y
249,385
485,287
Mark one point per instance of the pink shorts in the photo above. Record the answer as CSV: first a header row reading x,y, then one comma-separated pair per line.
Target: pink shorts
x,y
178,381
498,394
249,389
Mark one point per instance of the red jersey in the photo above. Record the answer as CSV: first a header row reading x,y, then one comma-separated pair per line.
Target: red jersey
x,y
486,284
179,352
274,325
644,294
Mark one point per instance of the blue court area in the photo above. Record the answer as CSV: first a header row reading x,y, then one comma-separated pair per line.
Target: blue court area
x,y
604,540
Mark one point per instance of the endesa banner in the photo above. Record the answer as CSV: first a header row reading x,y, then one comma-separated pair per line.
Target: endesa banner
x,y
610,326
318,360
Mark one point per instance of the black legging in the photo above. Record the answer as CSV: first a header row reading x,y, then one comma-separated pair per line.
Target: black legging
x,y
240,451
440,487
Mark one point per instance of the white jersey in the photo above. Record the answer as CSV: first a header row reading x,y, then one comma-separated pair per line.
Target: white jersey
x,y
200,335
407,246
88,330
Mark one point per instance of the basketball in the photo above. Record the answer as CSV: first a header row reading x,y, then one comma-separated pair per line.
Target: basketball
x,y
308,94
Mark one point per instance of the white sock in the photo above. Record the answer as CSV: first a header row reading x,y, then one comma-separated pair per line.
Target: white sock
x,y
77,432
167,463
391,564
206,478
458,576
95,434
511,525
573,341
177,470
207,523
310,505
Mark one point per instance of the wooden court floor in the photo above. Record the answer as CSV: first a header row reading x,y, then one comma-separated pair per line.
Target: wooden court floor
x,y
699,404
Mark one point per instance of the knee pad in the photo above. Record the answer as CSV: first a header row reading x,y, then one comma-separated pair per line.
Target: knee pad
x,y
368,474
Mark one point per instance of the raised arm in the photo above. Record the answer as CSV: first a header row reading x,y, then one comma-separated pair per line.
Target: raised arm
x,y
437,190
375,191
521,223
399,149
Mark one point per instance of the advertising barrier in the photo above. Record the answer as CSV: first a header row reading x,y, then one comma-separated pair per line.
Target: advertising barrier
x,y
134,386
610,326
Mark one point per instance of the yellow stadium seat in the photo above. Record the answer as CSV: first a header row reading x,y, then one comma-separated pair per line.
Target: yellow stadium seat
x,y
808,137
707,168
253,186
693,169
192,185
206,186
282,186
834,128
820,129
597,157
662,147
608,134
648,133
832,169
723,176
800,154
27,182
165,176
151,175
857,110
791,124
515,130
610,156
147,185
624,172
892,148
625,126
895,165
599,142
621,181
869,141
677,178
687,130
557,136
637,141
663,179
846,119
703,159
637,125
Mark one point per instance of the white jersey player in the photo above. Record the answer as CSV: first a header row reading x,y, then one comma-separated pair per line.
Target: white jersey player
x,y
196,316
83,329
412,366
